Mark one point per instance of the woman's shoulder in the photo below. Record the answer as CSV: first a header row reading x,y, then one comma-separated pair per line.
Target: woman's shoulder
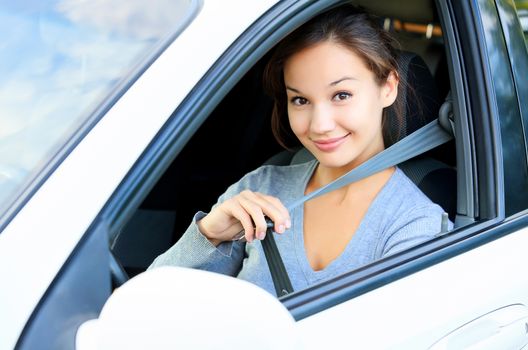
x,y
406,189
279,172
403,198
410,217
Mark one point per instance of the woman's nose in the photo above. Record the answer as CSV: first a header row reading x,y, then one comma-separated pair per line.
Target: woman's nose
x,y
322,120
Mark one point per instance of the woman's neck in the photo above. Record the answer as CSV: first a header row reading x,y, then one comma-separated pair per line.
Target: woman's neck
x,y
322,176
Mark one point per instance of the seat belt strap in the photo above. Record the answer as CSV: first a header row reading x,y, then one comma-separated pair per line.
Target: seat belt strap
x,y
422,140
279,275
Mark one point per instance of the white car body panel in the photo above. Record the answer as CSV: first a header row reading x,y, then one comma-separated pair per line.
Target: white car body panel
x,y
444,297
50,225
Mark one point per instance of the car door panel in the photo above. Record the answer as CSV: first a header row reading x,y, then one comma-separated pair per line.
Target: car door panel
x,y
422,308
504,328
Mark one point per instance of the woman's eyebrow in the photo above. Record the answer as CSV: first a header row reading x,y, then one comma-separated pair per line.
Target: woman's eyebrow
x,y
331,84
292,89
340,80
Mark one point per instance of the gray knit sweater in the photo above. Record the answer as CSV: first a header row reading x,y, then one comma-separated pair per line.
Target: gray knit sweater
x,y
399,217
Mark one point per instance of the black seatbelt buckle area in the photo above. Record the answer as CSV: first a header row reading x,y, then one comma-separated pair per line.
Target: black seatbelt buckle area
x,y
269,223
240,237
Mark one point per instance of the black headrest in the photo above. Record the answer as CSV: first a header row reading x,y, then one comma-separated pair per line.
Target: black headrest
x,y
421,97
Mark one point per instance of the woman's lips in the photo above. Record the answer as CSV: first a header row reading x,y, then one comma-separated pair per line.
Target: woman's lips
x,y
329,145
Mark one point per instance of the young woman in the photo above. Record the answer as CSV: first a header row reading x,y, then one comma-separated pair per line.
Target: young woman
x,y
332,81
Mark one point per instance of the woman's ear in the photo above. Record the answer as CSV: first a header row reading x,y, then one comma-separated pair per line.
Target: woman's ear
x,y
389,90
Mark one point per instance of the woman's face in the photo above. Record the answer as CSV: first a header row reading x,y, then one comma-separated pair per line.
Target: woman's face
x,y
335,104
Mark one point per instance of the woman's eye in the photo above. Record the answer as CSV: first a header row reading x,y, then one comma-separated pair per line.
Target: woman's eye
x,y
341,96
299,101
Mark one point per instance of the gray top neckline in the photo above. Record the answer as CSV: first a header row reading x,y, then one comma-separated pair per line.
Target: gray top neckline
x,y
312,275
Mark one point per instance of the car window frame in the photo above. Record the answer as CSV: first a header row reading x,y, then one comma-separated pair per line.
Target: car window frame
x,y
507,103
518,54
244,52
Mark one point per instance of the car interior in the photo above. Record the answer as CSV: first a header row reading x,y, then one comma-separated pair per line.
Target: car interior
x,y
236,138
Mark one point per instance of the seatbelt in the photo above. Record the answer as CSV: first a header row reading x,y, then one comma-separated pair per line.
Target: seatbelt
x,y
422,140
279,275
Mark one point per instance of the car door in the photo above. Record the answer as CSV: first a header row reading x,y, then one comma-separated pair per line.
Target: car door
x,y
470,290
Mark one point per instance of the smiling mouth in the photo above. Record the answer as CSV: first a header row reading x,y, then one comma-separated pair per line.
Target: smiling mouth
x,y
327,141
328,145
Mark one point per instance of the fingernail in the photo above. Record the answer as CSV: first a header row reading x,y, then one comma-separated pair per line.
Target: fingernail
x,y
281,228
261,235
288,223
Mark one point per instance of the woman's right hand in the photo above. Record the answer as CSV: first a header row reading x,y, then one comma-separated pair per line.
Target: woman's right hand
x,y
244,211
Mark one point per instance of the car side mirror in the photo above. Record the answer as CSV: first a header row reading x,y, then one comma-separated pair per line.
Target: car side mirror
x,y
181,308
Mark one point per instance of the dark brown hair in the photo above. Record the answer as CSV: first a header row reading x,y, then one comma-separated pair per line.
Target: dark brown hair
x,y
350,27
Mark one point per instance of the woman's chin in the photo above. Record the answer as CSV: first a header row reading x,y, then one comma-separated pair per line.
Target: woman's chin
x,y
337,161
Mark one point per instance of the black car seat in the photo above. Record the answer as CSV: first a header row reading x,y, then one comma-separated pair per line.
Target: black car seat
x,y
434,177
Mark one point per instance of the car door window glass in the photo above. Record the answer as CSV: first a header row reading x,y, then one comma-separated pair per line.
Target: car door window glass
x,y
60,61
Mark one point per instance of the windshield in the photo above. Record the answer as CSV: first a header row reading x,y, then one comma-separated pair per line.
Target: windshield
x,y
61,59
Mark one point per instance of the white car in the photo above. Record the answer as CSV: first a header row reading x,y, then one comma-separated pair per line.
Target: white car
x,y
121,118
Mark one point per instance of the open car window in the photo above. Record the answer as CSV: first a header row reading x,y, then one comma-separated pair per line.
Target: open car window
x,y
185,186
